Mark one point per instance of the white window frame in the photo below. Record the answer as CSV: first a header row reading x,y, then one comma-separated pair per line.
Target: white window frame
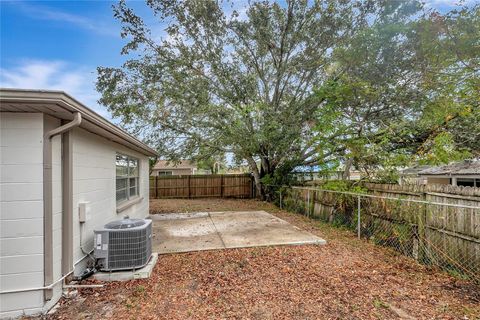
x,y
131,177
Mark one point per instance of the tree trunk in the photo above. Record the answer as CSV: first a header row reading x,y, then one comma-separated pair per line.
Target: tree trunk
x,y
257,178
346,172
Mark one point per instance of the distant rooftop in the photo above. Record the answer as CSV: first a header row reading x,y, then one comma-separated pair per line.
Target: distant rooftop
x,y
466,167
415,169
183,164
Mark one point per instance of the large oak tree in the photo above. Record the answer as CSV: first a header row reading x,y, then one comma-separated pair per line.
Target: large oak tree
x,y
231,83
282,85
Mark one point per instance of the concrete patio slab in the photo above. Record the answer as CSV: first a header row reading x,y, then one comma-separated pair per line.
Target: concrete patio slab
x,y
221,230
183,234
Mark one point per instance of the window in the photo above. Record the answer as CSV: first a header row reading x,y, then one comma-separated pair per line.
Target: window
x,y
164,173
127,177
466,182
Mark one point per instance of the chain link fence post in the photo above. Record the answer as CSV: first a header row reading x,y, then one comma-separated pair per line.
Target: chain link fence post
x,y
403,223
358,218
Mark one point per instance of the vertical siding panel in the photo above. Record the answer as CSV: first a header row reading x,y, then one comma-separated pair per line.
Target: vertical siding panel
x,y
21,211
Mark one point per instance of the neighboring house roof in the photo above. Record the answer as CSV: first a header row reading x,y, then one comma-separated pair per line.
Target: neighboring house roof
x,y
61,105
415,169
165,164
467,167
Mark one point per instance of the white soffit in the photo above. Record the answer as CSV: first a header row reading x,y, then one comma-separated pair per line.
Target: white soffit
x,y
60,105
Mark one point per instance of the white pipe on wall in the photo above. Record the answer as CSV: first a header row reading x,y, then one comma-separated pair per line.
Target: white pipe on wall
x,y
47,201
51,285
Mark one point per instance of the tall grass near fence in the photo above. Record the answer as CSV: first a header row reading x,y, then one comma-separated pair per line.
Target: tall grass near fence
x,y
434,224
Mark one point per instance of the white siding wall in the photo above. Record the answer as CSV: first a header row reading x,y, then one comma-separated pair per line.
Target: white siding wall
x,y
21,203
21,212
94,182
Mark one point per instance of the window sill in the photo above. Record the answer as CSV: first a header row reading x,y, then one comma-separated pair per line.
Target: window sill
x,y
127,204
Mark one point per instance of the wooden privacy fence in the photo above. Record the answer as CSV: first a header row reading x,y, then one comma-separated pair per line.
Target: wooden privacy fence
x,y
444,232
202,186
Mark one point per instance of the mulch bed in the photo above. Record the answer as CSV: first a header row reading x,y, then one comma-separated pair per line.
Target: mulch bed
x,y
346,279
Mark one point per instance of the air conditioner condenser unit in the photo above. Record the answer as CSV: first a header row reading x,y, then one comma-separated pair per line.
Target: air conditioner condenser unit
x,y
123,244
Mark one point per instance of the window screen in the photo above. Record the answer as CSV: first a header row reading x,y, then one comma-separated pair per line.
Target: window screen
x,y
127,175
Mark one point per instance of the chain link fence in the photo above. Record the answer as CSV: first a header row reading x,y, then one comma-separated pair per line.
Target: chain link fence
x,y
441,234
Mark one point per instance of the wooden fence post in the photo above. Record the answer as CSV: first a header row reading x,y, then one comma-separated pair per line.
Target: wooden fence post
x,y
308,203
156,187
188,184
221,186
252,187
421,225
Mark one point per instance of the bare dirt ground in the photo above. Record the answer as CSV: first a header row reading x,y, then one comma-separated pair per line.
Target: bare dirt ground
x,y
345,279
210,205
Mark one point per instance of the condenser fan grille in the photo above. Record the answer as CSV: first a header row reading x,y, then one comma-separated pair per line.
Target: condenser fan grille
x,y
128,248
125,244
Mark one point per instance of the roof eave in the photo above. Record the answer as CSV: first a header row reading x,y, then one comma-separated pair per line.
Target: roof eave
x,y
67,101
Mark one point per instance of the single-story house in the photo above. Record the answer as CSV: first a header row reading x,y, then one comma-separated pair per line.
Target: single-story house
x,y
58,156
465,173
410,175
169,168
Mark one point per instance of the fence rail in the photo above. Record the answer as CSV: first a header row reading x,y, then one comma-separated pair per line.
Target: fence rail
x,y
435,225
202,186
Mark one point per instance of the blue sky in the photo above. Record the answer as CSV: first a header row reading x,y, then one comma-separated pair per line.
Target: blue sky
x,y
59,44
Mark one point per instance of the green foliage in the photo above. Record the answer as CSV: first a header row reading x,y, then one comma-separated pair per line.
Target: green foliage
x,y
151,163
292,203
448,46
229,84
410,92
396,235
380,304
361,104
369,84
342,185
442,150
209,159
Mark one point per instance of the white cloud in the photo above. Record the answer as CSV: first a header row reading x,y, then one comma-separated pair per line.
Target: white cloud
x,y
78,82
52,14
448,3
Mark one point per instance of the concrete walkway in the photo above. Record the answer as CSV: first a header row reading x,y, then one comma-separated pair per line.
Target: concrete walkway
x,y
221,230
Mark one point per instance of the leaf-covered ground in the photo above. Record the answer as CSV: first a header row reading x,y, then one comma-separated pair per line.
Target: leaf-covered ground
x,y
345,279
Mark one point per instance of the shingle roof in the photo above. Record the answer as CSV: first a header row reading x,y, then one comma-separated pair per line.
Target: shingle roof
x,y
183,164
460,168
416,169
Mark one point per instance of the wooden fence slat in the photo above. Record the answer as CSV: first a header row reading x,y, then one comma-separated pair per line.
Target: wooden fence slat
x,y
442,235
197,186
